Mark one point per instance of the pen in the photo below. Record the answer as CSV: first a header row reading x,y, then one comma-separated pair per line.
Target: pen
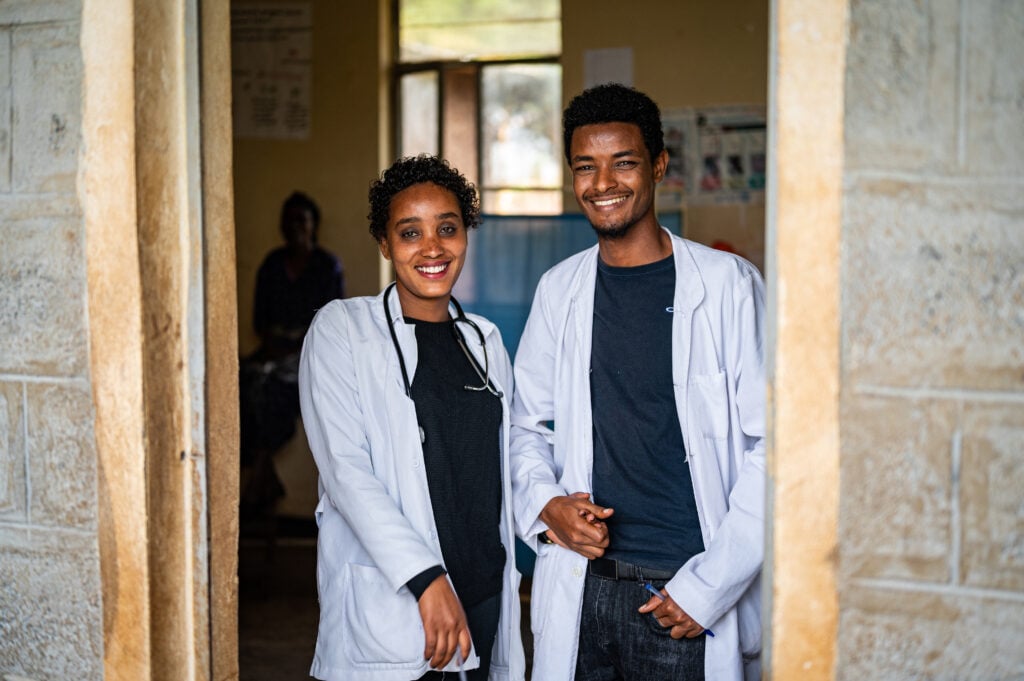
x,y
650,587
458,656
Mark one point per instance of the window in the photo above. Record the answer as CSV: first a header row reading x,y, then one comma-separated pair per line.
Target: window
x,y
479,83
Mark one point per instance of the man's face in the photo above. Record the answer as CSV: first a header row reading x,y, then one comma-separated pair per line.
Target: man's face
x,y
613,177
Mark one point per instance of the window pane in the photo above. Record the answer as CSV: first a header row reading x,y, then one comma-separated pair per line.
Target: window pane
x,y
521,201
521,113
478,29
419,106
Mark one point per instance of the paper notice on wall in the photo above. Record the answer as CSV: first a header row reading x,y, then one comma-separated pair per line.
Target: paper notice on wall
x,y
271,63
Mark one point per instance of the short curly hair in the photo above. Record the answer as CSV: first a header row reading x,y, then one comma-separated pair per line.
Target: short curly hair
x,y
411,170
614,103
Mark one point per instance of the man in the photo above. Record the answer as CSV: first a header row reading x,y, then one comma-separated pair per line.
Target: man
x,y
638,429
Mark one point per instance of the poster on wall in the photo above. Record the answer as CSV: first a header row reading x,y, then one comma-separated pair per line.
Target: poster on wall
x,y
716,154
271,63
680,131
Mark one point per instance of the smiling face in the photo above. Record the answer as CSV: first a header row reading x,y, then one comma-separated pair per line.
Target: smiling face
x,y
613,177
425,239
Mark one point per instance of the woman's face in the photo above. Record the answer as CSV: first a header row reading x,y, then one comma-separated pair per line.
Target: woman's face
x,y
425,239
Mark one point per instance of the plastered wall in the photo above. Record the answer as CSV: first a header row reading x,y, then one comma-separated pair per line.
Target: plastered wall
x,y
51,624
932,467
335,165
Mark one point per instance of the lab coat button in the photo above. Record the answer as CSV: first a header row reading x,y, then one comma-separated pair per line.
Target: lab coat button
x,y
577,571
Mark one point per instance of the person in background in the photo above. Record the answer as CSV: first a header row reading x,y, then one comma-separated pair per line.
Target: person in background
x,y
293,281
405,403
638,429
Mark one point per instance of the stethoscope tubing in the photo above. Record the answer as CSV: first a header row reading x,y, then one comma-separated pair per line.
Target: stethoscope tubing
x,y
482,372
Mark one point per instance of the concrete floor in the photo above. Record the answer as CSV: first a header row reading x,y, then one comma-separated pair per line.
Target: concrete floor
x,y
278,611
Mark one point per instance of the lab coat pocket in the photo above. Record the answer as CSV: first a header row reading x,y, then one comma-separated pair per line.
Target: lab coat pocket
x,y
382,626
709,399
557,582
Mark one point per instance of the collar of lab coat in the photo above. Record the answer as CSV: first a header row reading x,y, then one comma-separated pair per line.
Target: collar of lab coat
x,y
689,291
406,333
689,284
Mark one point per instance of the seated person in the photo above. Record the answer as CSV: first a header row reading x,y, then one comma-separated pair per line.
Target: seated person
x,y
293,282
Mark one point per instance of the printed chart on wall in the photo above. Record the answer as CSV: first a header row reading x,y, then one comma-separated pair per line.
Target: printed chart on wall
x,y
716,155
271,60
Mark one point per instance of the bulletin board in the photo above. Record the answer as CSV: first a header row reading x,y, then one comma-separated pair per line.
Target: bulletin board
x,y
716,154
716,176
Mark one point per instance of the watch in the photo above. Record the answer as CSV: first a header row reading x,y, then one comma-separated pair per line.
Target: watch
x,y
543,538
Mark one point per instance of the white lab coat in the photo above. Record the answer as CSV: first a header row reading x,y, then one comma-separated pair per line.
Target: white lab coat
x,y
718,374
376,522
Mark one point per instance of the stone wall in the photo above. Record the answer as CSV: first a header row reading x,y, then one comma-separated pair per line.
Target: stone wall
x,y
932,406
51,624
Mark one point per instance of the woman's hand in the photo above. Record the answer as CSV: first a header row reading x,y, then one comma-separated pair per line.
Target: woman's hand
x,y
444,623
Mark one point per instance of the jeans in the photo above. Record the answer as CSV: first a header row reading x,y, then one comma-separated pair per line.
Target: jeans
x,y
617,643
483,627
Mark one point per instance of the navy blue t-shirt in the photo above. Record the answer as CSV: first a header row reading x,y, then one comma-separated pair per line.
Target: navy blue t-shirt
x,y
640,466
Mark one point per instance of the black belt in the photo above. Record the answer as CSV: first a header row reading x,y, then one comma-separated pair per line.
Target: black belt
x,y
616,569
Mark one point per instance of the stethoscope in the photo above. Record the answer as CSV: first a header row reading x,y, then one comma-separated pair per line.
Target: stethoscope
x,y
460,316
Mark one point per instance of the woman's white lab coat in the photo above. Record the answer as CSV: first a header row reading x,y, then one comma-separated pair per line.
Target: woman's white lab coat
x,y
718,373
376,521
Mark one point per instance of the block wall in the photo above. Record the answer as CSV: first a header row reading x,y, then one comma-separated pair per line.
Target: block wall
x,y
932,404
51,624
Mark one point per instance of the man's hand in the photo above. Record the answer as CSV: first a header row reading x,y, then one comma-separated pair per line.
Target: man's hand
x,y
444,623
577,524
669,614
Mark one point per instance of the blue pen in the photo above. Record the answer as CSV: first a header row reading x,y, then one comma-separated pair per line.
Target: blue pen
x,y
650,587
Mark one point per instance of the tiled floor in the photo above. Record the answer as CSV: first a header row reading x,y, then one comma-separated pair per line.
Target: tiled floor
x,y
277,609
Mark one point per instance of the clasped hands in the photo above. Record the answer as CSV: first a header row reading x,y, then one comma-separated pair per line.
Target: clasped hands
x,y
575,523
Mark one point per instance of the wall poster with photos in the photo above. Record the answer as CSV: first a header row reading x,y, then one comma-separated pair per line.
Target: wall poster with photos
x,y
716,155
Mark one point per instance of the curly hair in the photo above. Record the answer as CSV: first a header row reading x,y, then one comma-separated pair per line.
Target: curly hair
x,y
614,103
411,170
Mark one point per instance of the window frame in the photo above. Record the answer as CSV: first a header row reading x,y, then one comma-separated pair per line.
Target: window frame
x,y
400,69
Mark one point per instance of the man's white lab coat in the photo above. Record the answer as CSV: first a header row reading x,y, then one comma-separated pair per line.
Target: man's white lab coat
x,y
718,374
376,521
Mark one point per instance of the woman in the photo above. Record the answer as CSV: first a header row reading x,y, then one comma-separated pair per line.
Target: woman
x,y
405,403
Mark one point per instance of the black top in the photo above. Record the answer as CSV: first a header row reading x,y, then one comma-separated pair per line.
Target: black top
x,y
640,467
285,306
462,457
